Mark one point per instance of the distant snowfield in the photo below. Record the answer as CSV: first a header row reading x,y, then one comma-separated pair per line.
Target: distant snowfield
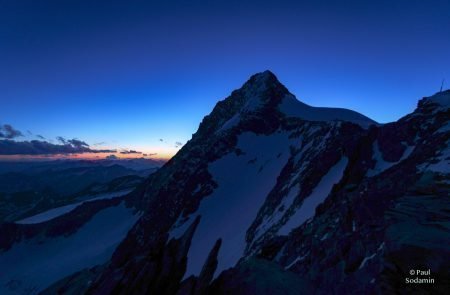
x,y
318,195
33,265
55,212
242,188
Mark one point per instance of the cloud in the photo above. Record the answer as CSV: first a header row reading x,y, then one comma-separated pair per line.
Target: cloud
x,y
40,136
61,139
178,144
99,143
111,157
126,152
39,147
161,140
8,132
77,143
149,155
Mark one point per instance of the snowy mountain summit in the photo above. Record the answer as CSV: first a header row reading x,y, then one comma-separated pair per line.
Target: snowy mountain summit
x,y
272,196
263,91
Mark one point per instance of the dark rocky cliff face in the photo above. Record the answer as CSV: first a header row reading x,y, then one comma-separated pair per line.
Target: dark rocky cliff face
x,y
350,210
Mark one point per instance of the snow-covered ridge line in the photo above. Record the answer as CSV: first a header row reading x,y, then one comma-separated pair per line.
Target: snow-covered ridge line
x,y
292,107
257,96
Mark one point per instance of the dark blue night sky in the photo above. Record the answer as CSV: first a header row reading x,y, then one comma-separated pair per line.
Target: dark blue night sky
x,y
129,73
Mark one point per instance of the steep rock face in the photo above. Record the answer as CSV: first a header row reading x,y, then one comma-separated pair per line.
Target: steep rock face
x,y
378,223
318,198
177,190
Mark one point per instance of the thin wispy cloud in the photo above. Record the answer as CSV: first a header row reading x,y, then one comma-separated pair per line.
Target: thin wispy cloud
x,y
99,143
61,139
77,143
127,152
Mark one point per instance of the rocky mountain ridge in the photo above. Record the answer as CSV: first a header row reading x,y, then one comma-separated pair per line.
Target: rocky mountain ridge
x,y
271,196
314,203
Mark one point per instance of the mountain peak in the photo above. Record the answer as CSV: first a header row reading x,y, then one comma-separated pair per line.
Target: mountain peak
x,y
263,76
263,94
261,81
261,90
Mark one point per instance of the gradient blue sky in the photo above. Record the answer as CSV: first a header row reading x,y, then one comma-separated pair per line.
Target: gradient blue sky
x,y
129,73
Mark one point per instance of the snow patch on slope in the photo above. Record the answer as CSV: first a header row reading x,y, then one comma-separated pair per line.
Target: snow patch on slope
x,y
318,195
179,228
242,188
440,164
33,265
278,213
300,258
234,121
382,165
444,129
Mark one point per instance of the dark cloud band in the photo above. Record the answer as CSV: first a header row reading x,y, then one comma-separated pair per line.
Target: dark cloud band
x,y
38,147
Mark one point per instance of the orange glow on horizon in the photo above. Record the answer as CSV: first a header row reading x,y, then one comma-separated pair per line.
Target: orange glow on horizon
x,y
158,153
